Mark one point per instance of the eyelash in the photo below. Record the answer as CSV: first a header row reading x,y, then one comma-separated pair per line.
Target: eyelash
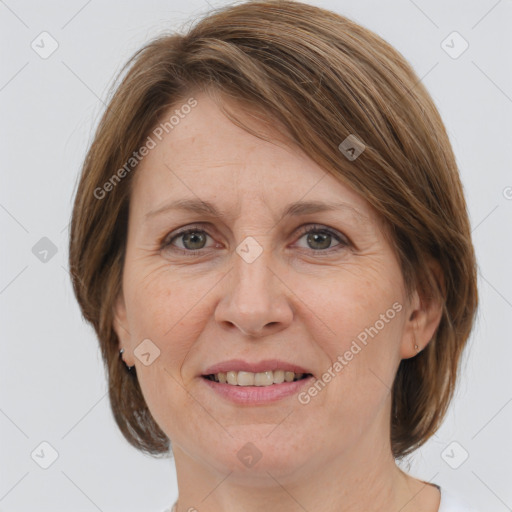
x,y
343,241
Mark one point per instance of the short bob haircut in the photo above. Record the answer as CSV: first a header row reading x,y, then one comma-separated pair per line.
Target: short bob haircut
x,y
321,77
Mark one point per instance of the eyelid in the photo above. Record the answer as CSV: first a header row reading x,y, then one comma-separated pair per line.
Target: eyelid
x,y
167,239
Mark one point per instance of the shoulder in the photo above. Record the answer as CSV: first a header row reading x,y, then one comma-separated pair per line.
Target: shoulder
x,y
453,502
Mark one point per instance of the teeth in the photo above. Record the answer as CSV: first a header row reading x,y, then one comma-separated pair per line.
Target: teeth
x,y
288,376
245,379
264,379
278,376
256,379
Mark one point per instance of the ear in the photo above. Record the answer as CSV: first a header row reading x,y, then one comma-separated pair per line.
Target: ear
x,y
424,315
119,323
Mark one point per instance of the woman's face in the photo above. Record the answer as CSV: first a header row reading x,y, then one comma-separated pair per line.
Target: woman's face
x,y
250,291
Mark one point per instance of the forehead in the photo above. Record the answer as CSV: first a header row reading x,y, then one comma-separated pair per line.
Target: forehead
x,y
206,156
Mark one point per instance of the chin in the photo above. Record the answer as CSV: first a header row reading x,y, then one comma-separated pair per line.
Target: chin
x,y
256,453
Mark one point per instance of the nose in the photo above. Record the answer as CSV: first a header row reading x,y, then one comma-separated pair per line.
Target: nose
x,y
255,300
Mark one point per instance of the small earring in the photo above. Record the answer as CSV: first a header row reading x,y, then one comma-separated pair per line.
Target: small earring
x,y
121,352
416,348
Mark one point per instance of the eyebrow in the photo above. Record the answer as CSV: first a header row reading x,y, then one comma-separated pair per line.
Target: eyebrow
x,y
294,209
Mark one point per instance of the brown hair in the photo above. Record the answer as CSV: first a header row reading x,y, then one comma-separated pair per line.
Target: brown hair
x,y
323,77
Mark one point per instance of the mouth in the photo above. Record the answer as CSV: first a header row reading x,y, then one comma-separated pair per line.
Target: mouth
x,y
255,383
261,379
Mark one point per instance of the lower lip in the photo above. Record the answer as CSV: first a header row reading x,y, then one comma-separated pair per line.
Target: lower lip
x,y
257,395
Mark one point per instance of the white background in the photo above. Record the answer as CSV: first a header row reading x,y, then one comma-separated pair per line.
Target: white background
x,y
52,382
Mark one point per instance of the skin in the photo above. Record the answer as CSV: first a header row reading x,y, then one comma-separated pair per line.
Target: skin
x,y
298,301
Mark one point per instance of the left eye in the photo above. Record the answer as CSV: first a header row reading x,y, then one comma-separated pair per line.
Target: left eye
x,y
319,239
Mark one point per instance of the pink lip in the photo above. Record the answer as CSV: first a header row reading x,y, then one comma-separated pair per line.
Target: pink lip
x,y
262,366
257,395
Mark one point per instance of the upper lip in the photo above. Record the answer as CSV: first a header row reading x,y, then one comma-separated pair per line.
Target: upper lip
x,y
255,367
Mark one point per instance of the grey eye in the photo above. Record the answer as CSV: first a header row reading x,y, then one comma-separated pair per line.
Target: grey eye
x,y
194,240
319,240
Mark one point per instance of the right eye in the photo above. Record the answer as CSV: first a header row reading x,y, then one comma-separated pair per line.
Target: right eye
x,y
193,240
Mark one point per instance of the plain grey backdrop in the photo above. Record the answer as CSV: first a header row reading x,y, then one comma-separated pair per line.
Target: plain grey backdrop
x,y
60,448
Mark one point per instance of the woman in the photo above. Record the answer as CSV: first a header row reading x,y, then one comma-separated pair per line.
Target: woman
x,y
271,241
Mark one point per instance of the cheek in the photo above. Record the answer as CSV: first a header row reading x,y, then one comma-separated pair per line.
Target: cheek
x,y
168,402
363,311
357,302
167,308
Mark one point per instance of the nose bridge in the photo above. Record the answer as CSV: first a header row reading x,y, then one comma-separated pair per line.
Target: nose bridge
x,y
254,302
252,285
